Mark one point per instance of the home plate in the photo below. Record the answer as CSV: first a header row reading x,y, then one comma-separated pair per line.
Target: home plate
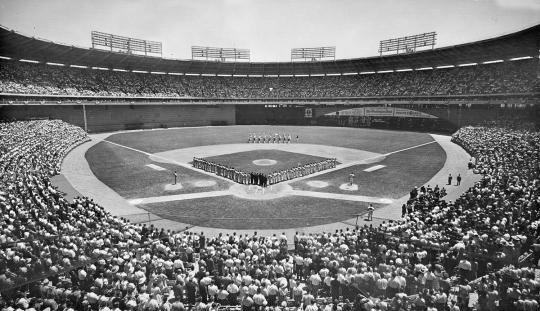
x,y
204,183
317,183
156,167
171,187
349,187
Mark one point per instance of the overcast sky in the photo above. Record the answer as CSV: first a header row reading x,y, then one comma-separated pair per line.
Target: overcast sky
x,y
270,28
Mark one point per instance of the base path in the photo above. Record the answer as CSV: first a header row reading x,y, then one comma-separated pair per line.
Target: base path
x,y
78,173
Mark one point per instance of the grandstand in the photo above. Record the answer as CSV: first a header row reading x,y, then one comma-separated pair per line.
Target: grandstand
x,y
455,246
501,78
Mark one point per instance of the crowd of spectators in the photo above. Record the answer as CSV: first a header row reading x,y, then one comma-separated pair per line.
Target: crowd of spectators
x,y
29,78
481,249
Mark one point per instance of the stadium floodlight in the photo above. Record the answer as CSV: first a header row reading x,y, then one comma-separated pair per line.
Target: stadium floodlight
x,y
222,54
313,54
125,44
408,44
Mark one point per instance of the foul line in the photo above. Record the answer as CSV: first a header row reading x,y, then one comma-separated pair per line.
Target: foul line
x,y
156,167
374,168
409,148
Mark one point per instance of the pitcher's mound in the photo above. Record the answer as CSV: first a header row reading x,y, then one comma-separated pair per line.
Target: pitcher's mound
x,y
264,162
171,187
348,187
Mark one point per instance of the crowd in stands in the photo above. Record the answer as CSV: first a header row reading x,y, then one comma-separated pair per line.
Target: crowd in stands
x,y
481,249
29,78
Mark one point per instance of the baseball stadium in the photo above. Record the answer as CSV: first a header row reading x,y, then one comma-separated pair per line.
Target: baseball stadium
x,y
408,179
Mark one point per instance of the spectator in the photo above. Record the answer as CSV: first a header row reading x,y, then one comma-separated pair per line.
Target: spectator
x,y
508,77
76,255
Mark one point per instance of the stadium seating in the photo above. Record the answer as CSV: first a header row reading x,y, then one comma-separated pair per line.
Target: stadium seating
x,y
508,77
65,255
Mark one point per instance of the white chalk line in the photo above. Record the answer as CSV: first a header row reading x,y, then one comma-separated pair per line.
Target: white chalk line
x,y
374,168
156,167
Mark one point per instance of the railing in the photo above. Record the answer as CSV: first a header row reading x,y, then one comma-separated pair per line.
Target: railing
x,y
12,98
149,218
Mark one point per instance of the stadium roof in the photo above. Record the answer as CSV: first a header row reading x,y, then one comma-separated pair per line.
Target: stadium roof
x,y
519,44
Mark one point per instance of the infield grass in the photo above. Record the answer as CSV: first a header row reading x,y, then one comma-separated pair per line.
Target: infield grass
x,y
244,160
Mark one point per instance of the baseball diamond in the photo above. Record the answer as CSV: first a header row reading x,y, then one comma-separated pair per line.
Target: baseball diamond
x,y
117,162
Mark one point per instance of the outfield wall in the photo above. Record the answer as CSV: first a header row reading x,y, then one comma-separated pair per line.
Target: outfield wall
x,y
101,118
143,115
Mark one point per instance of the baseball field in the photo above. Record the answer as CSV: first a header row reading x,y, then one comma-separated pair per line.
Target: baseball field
x,y
140,166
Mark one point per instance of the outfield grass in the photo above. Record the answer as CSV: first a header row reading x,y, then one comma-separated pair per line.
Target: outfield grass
x,y
373,140
125,172
244,160
233,213
403,171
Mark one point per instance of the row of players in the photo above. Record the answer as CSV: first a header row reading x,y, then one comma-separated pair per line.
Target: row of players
x,y
260,179
269,138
